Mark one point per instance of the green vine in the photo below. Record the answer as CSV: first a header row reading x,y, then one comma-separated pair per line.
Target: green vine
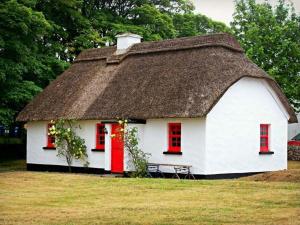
x,y
69,145
138,158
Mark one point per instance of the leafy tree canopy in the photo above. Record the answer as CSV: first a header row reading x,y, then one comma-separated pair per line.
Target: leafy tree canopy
x,y
39,38
27,64
271,39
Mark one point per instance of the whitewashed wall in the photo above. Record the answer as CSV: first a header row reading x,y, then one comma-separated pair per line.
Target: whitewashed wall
x,y
153,139
233,130
37,139
154,136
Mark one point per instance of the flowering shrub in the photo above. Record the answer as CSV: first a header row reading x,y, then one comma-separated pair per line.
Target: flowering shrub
x,y
138,158
69,145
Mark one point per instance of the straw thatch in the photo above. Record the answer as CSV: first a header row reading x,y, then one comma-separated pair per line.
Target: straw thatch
x,y
174,78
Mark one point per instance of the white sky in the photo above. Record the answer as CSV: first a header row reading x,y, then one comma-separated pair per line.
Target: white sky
x,y
222,10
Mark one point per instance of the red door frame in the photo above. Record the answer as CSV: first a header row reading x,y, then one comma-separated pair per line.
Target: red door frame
x,y
117,149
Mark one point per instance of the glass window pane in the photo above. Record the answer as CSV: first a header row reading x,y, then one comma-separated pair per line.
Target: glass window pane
x,y
263,142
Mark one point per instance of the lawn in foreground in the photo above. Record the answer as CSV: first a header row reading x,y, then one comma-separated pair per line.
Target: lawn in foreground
x,y
58,198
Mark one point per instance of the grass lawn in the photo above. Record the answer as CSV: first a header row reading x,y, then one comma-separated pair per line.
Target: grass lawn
x,y
60,198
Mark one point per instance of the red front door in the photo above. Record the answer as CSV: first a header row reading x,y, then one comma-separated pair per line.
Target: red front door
x,y
117,149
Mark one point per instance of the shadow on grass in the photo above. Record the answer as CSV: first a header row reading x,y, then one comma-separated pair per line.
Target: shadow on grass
x,y
7,165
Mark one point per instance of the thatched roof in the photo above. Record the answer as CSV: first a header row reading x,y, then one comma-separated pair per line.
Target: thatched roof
x,y
174,78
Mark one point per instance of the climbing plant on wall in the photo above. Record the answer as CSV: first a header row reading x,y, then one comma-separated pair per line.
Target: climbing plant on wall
x,y
137,157
69,145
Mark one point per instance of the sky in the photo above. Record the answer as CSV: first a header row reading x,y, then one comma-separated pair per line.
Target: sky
x,y
222,10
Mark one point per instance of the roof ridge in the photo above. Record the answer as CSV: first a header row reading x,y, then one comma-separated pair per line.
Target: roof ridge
x,y
113,59
182,43
185,38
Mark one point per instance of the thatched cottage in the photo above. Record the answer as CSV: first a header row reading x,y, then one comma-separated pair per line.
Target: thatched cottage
x,y
196,101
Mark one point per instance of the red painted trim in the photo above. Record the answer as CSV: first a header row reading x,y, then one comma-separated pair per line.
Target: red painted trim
x,y
117,149
50,138
174,137
294,143
100,136
264,137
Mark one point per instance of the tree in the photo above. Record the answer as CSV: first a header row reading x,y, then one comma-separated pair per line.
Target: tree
x,y
70,146
72,32
26,64
152,19
39,38
190,24
271,38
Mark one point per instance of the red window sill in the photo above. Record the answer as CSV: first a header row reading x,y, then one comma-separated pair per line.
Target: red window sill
x,y
172,153
266,153
97,150
49,148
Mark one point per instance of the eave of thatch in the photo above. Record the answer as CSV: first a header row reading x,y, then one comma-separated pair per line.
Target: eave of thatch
x,y
175,78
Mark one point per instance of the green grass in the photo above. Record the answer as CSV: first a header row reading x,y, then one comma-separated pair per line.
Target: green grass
x,y
60,198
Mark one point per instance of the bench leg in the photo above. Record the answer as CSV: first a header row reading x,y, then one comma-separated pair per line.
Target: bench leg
x,y
149,174
162,174
190,175
176,175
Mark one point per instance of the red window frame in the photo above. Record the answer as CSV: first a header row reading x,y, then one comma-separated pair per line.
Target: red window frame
x,y
50,138
100,136
264,137
174,137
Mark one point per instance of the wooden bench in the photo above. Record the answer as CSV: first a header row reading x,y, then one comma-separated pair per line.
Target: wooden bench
x,y
155,168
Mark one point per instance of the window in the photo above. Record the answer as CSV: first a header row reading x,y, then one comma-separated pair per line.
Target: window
x,y
100,136
174,137
50,138
264,137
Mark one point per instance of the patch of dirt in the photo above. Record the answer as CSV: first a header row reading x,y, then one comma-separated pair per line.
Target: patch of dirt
x,y
292,175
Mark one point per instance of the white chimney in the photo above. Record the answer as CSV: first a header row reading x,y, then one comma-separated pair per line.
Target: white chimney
x,y
126,40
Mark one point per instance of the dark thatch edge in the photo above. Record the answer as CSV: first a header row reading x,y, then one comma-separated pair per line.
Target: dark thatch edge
x,y
284,100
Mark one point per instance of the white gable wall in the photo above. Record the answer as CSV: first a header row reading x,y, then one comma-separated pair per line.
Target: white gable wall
x,y
233,130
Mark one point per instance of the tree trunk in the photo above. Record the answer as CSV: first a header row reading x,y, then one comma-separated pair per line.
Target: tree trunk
x,y
69,163
69,158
